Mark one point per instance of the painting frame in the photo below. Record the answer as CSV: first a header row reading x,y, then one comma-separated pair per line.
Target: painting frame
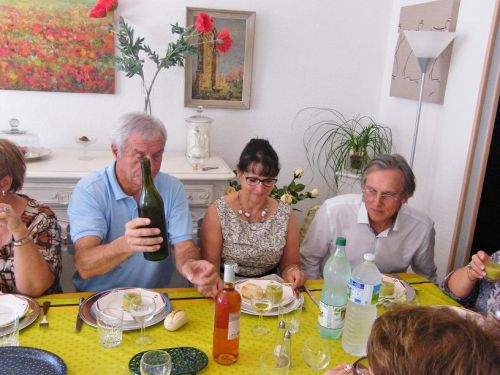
x,y
219,17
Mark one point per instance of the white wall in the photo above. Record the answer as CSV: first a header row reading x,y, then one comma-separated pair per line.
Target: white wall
x,y
445,130
332,53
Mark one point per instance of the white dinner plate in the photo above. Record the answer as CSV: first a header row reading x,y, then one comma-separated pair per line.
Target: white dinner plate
x,y
11,302
114,299
263,283
399,288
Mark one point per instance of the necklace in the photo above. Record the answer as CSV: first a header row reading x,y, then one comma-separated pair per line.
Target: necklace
x,y
248,215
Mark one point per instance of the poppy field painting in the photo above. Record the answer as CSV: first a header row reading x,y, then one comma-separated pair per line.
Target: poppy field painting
x,y
52,45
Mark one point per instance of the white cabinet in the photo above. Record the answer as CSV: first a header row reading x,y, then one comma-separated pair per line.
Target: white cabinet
x,y
52,179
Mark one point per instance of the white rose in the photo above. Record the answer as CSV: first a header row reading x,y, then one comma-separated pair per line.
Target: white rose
x,y
287,198
299,172
314,193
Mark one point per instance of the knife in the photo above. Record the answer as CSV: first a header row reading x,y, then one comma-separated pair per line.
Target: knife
x,y
79,321
311,295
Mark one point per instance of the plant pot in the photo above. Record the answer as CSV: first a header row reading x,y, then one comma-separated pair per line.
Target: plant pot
x,y
356,162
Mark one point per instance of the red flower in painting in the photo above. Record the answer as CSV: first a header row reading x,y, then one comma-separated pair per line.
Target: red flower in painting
x,y
101,8
98,11
204,23
224,41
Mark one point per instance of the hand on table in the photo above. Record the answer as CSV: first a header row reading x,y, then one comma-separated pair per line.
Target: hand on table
x,y
296,277
203,275
344,369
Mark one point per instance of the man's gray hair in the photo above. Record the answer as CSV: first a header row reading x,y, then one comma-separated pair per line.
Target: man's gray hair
x,y
394,161
149,127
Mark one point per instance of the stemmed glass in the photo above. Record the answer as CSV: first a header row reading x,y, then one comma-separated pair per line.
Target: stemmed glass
x,y
142,309
85,142
261,305
317,353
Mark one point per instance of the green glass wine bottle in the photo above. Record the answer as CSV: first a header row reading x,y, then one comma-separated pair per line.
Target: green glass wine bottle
x,y
150,205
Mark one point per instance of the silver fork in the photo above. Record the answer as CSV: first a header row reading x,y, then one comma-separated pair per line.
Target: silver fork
x,y
45,322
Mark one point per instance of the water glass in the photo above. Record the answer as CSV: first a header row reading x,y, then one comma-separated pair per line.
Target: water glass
x,y
291,317
317,353
156,362
110,327
274,364
9,326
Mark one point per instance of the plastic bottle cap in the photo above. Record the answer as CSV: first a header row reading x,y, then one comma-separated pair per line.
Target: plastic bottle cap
x,y
340,241
369,257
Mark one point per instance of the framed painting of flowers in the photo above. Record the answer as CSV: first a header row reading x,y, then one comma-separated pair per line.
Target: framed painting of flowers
x,y
220,76
52,45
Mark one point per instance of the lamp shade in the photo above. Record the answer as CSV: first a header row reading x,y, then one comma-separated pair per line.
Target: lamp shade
x,y
428,44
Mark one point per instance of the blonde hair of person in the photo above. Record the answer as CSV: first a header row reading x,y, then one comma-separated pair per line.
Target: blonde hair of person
x,y
422,340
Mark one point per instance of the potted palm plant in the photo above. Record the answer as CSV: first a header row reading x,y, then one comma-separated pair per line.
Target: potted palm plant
x,y
336,145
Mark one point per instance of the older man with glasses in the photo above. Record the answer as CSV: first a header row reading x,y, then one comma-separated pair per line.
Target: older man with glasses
x,y
376,221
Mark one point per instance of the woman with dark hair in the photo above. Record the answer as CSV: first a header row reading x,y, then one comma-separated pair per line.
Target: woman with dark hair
x,y
30,239
249,227
422,340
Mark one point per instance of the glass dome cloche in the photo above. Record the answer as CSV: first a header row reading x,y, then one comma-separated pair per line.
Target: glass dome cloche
x,y
198,139
28,143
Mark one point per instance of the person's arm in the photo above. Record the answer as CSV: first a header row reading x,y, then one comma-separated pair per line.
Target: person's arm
x,y
93,258
201,273
462,281
423,261
211,237
290,261
31,271
314,248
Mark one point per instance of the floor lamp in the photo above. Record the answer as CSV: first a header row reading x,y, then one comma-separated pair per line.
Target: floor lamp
x,y
426,46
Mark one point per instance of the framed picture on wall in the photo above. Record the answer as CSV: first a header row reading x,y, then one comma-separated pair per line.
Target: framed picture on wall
x,y
221,80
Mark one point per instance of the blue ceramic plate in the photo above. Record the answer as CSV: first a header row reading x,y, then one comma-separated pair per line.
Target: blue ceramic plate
x,y
30,361
185,360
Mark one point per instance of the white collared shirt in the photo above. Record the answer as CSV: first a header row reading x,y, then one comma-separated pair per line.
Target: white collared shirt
x,y
409,242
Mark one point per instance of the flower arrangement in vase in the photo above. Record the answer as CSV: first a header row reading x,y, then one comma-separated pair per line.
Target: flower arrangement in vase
x,y
133,50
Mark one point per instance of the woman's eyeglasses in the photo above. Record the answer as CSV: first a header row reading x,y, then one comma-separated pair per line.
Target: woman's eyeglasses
x,y
267,182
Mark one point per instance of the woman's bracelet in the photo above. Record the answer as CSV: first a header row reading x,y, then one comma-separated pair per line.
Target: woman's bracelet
x,y
24,240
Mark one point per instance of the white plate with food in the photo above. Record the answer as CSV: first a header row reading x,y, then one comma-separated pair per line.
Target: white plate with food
x,y
119,298
9,302
260,287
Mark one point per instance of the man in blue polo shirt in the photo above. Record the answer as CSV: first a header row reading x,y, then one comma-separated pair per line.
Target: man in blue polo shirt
x,y
105,227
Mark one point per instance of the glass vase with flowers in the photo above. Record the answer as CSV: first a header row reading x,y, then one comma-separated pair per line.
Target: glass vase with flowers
x,y
133,50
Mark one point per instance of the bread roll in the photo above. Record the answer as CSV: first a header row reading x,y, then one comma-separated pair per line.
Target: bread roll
x,y
252,290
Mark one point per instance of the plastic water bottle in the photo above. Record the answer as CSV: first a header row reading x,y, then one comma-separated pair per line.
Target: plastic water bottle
x,y
336,274
364,289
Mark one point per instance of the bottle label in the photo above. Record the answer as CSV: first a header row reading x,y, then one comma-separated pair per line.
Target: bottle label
x,y
233,329
363,294
331,316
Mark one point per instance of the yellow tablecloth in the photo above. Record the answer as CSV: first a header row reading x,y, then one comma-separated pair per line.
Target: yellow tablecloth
x,y
83,354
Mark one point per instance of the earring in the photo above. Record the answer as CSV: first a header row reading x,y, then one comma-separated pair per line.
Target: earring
x,y
3,193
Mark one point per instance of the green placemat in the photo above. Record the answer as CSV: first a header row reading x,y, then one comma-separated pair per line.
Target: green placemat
x,y
185,360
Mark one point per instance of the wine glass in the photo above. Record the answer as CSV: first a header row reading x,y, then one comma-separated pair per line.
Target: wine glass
x,y
156,362
142,309
274,291
317,353
85,142
261,305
